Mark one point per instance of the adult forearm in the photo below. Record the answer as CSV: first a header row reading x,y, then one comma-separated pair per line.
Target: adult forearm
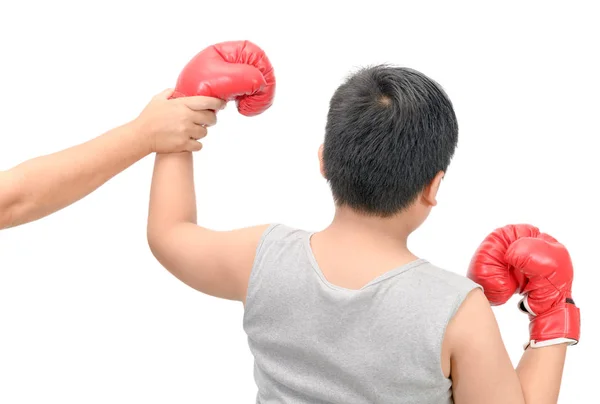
x,y
49,183
540,373
172,196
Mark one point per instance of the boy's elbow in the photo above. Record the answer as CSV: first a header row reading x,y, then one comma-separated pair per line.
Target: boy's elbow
x,y
11,201
155,241
6,217
161,230
159,238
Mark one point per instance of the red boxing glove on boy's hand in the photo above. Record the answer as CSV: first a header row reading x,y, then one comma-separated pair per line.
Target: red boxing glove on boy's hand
x,y
547,266
520,259
236,70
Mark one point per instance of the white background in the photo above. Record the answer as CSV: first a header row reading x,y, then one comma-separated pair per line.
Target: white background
x,y
88,316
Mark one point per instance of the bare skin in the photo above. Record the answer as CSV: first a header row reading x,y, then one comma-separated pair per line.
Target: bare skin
x,y
46,184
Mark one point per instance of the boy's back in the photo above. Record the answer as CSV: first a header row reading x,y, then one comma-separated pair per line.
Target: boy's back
x,y
349,314
315,341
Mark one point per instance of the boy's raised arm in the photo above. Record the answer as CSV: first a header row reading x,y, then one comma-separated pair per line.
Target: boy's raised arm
x,y
213,262
217,263
481,370
515,259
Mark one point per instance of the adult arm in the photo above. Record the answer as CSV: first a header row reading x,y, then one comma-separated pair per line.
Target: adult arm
x,y
45,184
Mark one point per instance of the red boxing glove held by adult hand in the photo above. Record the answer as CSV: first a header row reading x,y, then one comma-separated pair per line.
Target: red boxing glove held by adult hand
x,y
235,70
547,266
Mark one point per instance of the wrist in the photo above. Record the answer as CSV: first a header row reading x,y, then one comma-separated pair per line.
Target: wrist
x,y
560,325
141,137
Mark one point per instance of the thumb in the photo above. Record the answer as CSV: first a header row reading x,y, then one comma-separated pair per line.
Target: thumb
x,y
164,95
536,256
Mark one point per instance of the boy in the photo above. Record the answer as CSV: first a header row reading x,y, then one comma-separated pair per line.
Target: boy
x,y
349,314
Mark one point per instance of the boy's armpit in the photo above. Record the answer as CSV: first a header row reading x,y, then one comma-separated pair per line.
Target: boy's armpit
x,y
481,370
217,263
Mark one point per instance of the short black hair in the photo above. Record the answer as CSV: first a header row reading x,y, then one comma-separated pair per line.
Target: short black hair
x,y
389,131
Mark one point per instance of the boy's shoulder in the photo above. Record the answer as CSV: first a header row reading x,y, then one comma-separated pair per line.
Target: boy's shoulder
x,y
435,276
282,232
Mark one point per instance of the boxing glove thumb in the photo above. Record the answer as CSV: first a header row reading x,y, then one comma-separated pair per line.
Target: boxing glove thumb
x,y
227,84
541,257
489,268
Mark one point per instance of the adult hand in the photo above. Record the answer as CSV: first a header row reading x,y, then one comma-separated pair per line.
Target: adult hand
x,y
176,125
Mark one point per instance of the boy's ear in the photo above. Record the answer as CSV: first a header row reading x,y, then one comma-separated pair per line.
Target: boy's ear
x,y
321,165
431,190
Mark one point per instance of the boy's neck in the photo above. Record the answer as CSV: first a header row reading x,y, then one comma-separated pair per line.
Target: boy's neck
x,y
355,248
350,223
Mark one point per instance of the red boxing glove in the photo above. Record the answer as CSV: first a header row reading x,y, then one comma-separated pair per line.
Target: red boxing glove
x,y
547,266
236,70
489,268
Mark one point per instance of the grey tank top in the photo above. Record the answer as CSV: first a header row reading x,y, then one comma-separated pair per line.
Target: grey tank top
x,y
316,343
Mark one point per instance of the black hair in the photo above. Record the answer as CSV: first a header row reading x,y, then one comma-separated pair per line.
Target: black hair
x,y
389,131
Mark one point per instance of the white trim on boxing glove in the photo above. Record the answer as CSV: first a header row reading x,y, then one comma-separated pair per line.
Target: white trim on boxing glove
x,y
524,306
555,341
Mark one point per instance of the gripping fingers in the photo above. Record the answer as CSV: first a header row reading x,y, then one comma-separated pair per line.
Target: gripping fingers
x,y
198,132
193,145
204,118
